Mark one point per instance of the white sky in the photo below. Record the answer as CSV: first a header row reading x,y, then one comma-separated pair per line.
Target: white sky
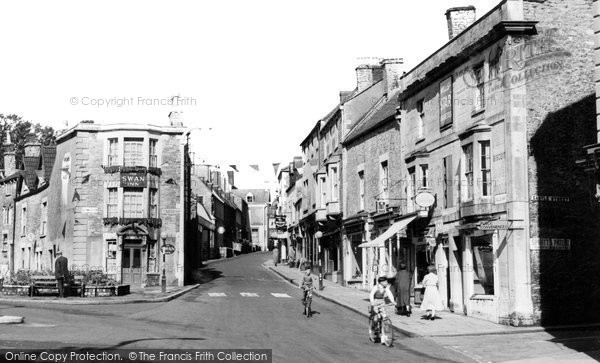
x,y
260,72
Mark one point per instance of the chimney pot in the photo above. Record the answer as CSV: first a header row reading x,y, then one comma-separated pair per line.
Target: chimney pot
x,y
459,18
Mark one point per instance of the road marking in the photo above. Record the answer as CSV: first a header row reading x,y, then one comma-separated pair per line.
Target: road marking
x,y
249,294
280,295
216,294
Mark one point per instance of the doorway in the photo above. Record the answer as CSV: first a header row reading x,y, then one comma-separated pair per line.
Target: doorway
x,y
131,265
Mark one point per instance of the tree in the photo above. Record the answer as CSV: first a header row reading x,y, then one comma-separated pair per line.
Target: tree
x,y
22,132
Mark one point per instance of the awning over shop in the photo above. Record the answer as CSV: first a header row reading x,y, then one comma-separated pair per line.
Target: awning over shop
x,y
380,241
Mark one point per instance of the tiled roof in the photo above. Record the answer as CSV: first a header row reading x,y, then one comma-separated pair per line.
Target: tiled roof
x,y
261,196
387,110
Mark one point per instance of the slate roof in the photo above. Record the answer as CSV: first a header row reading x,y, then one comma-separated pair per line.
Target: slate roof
x,y
377,118
261,196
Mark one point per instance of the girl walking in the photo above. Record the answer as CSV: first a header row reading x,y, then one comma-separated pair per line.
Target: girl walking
x,y
431,300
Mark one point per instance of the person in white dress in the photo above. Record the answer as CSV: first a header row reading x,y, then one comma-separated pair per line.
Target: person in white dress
x,y
431,300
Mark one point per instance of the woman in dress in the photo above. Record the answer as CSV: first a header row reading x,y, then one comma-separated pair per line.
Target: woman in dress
x,y
431,300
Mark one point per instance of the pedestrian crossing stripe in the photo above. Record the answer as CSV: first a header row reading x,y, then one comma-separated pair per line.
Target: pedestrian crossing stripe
x,y
216,294
280,295
249,294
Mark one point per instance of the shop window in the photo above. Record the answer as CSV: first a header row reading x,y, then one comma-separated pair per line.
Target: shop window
x,y
483,265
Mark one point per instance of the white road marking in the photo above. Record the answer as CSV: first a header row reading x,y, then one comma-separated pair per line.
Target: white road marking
x,y
280,295
249,294
216,294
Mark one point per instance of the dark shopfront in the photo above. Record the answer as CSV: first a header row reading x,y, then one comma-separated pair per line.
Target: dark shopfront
x,y
353,236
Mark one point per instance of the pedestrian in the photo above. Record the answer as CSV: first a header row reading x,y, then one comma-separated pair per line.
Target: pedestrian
x,y
61,272
403,286
431,300
302,264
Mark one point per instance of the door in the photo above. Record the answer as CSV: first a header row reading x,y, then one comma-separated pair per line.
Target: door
x,y
131,265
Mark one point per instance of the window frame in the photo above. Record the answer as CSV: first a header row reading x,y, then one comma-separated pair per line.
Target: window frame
x,y
485,167
128,159
468,171
133,209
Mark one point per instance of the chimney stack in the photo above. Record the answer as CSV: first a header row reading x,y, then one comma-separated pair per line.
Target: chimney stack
x,y
367,75
459,18
392,72
33,149
176,118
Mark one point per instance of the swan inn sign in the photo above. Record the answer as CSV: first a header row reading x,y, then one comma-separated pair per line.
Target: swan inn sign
x,y
134,180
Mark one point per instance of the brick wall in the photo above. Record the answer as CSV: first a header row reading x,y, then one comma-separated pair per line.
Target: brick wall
x,y
561,120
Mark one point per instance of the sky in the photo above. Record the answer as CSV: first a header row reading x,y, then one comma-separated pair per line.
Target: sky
x,y
254,76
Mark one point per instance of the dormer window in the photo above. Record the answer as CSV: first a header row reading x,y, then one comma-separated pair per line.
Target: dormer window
x,y
250,198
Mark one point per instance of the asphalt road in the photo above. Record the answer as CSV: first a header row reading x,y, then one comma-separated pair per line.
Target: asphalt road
x,y
217,315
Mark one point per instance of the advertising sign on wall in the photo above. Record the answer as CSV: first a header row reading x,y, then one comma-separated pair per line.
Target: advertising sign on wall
x,y
134,180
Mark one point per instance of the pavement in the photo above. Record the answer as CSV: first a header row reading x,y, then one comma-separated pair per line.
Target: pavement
x,y
446,324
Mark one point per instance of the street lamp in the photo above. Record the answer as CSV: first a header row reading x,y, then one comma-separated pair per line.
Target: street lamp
x,y
163,280
318,235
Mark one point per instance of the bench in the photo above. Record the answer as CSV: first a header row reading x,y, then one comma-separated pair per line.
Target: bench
x,y
49,283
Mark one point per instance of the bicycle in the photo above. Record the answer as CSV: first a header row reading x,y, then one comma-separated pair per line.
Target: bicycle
x,y
307,302
380,325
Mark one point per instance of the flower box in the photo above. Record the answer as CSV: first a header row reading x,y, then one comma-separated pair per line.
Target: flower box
x,y
16,290
104,291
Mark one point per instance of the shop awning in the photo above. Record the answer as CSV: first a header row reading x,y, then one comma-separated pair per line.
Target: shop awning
x,y
380,241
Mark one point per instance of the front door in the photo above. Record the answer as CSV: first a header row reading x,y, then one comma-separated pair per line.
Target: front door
x,y
131,265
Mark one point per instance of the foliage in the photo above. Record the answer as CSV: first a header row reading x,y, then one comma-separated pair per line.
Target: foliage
x,y
21,278
22,132
93,277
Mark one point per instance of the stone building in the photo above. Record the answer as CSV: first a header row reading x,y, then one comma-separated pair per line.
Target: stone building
x,y
258,200
491,125
116,197
24,218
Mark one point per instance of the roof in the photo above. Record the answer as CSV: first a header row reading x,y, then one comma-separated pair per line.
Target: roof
x,y
330,116
315,129
48,156
374,120
261,196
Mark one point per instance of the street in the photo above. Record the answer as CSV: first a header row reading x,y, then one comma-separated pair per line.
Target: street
x,y
217,315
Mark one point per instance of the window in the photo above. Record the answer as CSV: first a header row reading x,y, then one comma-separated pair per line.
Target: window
x,y
111,256
113,151
133,207
412,187
249,198
4,242
468,157
424,175
7,189
334,184
361,180
323,191
153,203
479,101
448,183
24,221
44,218
483,265
384,180
133,152
111,205
421,119
152,153
486,172
5,215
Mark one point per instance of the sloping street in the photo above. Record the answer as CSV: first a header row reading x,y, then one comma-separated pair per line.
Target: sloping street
x,y
244,306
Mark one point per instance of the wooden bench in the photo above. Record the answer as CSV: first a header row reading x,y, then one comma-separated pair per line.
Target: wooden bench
x,y
50,283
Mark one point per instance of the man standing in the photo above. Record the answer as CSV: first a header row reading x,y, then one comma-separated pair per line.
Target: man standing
x,y
403,285
61,272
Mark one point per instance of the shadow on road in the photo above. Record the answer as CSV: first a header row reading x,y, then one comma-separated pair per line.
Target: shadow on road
x,y
205,275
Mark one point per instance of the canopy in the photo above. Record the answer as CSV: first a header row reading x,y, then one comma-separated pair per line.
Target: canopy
x,y
380,241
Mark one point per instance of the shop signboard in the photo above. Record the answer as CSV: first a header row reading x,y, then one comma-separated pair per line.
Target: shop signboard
x,y
134,180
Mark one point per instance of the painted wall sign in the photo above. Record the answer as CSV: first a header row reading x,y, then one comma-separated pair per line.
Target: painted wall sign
x,y
556,244
446,102
135,180
549,198
501,225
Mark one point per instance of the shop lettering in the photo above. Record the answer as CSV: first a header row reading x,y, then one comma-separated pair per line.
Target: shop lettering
x,y
133,180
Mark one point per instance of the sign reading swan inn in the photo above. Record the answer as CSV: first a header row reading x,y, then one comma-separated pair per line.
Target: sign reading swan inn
x,y
134,180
